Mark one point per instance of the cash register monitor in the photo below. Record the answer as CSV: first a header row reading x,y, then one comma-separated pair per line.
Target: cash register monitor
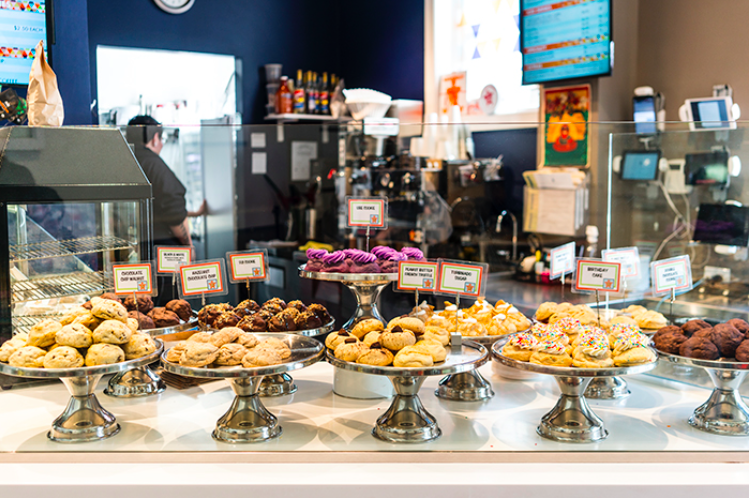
x,y
643,113
712,113
707,168
722,224
640,165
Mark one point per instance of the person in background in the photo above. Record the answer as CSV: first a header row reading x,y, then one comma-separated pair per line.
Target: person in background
x,y
170,222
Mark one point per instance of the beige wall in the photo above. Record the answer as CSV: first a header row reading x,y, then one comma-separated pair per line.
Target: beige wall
x,y
687,46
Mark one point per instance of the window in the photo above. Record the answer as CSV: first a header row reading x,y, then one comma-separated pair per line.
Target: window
x,y
481,37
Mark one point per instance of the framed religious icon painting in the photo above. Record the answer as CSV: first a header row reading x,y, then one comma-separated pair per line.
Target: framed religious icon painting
x,y
566,112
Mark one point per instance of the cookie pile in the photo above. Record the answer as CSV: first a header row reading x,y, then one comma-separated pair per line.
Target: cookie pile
x,y
635,315
698,339
480,319
404,342
142,309
228,347
569,343
273,316
100,336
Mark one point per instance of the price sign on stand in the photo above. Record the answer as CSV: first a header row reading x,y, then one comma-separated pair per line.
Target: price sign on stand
x,y
417,276
169,259
673,274
562,260
595,275
462,278
202,278
134,278
629,257
367,212
248,266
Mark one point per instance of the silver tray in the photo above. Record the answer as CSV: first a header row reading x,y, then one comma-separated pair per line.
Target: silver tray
x,y
247,420
696,362
406,420
158,332
307,333
571,420
470,357
724,413
304,351
60,373
84,419
566,371
350,278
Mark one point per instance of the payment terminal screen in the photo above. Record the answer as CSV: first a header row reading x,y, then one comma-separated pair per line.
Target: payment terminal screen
x,y
565,39
22,25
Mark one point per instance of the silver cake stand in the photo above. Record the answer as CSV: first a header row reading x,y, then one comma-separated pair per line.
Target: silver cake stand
x,y
470,385
366,288
725,412
282,384
84,419
247,420
571,420
406,420
142,381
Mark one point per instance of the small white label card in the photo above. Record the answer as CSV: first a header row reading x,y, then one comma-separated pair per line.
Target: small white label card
x,y
629,257
169,259
134,278
596,275
252,264
203,277
366,212
462,277
417,275
672,273
562,260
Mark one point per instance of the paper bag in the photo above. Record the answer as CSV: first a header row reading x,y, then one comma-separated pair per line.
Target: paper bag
x,y
45,105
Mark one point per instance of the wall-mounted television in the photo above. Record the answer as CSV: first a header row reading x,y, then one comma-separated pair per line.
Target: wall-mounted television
x,y
22,24
562,40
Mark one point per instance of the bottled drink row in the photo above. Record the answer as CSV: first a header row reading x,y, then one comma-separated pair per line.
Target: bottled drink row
x,y
308,94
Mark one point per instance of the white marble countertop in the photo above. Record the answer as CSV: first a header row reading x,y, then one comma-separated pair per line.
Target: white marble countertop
x,y
653,419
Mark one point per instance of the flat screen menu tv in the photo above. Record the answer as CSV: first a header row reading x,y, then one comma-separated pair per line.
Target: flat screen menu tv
x,y
22,24
564,39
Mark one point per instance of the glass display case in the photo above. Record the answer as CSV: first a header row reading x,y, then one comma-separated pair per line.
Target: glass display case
x,y
74,201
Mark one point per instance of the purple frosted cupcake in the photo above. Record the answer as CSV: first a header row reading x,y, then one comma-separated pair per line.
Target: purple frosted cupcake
x,y
315,262
363,262
335,263
391,265
413,253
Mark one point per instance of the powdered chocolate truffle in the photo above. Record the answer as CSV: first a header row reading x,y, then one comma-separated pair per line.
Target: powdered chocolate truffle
x,y
181,308
144,304
726,338
144,322
669,341
693,326
700,348
164,318
742,352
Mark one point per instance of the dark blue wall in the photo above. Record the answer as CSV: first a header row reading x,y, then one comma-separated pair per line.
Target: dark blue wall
x,y
382,46
70,60
296,33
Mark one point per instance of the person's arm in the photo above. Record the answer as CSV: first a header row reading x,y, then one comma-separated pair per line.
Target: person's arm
x,y
202,210
183,233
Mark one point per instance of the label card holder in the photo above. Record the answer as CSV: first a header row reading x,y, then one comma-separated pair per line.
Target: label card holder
x,y
135,278
203,278
562,260
596,275
416,277
170,258
462,278
367,212
248,266
629,257
673,275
